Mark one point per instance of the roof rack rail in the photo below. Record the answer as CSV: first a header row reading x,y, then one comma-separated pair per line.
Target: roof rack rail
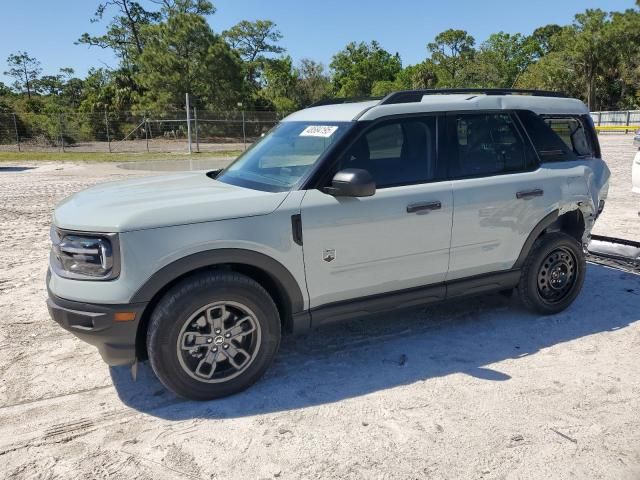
x,y
339,100
413,96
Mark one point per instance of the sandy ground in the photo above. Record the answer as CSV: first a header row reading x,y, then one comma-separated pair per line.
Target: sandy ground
x,y
621,213
475,389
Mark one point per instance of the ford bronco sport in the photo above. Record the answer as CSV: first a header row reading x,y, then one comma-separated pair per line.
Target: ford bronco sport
x,y
343,209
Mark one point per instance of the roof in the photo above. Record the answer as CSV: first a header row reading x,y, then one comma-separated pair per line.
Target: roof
x,y
344,112
441,102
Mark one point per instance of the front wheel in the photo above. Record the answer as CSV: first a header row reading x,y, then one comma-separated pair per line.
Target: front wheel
x,y
212,335
553,274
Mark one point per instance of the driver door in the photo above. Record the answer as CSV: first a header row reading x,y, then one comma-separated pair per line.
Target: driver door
x,y
395,240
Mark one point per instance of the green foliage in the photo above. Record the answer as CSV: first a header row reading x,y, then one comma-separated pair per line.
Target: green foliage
x,y
167,48
25,70
254,42
451,53
359,66
183,55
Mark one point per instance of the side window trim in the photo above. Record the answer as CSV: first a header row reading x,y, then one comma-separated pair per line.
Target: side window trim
x,y
451,140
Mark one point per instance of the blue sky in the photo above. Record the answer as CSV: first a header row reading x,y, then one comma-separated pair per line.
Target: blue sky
x,y
47,29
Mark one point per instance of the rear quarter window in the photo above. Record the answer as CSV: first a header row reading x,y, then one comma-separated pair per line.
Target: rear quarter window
x,y
573,133
547,142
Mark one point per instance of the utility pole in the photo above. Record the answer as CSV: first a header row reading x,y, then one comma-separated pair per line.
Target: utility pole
x,y
188,123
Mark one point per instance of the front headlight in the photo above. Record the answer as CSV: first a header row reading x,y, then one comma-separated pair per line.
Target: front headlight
x,y
85,256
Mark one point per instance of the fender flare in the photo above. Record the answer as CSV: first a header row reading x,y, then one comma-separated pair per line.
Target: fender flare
x,y
279,274
535,233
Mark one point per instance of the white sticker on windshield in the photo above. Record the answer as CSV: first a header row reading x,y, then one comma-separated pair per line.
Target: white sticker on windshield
x,y
319,131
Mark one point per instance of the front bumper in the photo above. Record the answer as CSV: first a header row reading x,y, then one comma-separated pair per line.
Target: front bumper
x,y
96,325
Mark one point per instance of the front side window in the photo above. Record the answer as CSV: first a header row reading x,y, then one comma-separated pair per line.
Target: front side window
x,y
485,144
398,152
279,160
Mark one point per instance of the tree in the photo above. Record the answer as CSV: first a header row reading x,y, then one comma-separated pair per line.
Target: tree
x,y
253,40
183,55
4,90
451,50
590,49
198,7
501,59
281,83
359,66
313,82
25,70
543,39
124,31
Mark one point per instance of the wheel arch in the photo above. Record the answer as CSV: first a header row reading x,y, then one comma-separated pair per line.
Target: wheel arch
x,y
571,223
275,278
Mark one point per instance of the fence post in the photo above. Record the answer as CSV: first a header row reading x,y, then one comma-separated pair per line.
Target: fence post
x,y
15,127
188,122
146,131
106,122
599,118
195,125
61,130
244,131
628,120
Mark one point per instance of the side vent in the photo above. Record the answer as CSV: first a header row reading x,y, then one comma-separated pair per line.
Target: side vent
x,y
296,228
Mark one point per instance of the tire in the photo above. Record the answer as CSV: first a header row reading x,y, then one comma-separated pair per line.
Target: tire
x,y
553,274
187,338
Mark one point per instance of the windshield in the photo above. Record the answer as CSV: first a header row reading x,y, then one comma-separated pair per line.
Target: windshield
x,y
276,162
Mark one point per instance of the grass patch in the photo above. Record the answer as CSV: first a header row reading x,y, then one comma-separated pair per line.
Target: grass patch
x,y
109,157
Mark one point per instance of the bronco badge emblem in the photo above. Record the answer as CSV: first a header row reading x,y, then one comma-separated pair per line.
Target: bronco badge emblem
x,y
329,255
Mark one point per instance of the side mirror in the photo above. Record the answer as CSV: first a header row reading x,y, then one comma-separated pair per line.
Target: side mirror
x,y
352,182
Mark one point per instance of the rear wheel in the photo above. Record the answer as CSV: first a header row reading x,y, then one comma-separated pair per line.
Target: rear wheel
x,y
212,335
553,274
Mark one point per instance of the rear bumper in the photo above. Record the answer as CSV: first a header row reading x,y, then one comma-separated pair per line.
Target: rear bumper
x,y
96,325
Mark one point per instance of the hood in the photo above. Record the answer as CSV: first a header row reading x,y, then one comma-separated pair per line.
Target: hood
x,y
160,201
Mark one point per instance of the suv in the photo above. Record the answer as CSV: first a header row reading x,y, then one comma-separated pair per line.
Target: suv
x,y
343,209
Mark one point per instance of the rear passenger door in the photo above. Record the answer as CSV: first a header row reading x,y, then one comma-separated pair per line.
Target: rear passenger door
x,y
498,191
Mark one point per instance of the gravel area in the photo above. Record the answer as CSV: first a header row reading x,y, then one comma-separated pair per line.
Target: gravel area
x,y
474,389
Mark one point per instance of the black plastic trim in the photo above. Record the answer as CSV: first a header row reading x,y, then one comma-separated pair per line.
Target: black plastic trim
x,y
296,228
210,258
95,324
535,233
491,282
414,96
354,308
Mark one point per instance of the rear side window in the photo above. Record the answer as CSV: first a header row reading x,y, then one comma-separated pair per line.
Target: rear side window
x,y
548,144
486,144
573,133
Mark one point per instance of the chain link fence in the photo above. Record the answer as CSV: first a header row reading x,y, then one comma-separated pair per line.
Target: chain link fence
x,y
133,132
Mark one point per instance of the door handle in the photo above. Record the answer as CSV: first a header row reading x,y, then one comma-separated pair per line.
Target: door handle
x,y
525,194
418,207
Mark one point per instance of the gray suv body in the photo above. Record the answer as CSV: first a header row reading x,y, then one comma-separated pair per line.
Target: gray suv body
x,y
343,209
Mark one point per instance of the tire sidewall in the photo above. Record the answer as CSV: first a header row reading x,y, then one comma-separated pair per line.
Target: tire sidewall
x,y
548,244
169,318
